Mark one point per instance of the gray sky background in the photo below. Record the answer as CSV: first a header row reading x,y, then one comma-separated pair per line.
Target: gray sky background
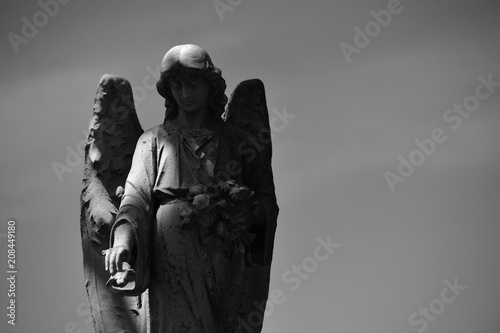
x,y
352,121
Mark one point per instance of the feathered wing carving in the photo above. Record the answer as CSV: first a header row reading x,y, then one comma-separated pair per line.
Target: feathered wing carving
x,y
113,132
247,110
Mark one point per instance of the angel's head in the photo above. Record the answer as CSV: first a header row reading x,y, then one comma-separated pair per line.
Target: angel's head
x,y
191,65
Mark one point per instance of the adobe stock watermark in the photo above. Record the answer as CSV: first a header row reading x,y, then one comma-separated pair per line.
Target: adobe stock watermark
x,y
278,120
75,156
293,277
30,28
82,310
140,92
250,148
454,116
222,6
372,29
420,319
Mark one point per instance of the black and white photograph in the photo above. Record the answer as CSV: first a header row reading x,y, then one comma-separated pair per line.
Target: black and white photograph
x,y
250,166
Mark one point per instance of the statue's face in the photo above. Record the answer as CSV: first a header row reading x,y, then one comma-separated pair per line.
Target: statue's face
x,y
190,92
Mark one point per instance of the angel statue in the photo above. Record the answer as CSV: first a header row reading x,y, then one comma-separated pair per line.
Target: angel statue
x,y
178,222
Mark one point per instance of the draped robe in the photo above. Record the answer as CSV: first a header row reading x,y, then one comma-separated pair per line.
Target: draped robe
x,y
192,288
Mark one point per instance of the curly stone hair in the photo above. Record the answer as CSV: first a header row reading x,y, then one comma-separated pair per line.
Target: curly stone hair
x,y
196,61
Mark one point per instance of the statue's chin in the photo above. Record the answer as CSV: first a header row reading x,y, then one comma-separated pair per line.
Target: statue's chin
x,y
190,108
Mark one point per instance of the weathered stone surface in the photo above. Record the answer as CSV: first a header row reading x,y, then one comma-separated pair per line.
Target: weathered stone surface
x,y
113,133
247,110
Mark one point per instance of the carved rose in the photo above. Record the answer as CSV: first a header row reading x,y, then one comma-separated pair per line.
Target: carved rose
x,y
201,201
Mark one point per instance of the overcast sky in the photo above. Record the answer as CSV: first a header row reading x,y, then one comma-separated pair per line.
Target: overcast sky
x,y
352,120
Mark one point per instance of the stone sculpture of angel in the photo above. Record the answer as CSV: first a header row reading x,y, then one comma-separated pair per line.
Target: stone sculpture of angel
x,y
178,222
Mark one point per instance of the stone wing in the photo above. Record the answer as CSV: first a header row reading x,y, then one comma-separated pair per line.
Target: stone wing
x,y
113,132
247,110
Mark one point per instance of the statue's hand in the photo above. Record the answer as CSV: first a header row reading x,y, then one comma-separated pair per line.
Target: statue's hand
x,y
115,258
121,279
102,217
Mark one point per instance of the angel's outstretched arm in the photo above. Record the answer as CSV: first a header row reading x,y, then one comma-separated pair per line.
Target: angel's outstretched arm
x,y
130,234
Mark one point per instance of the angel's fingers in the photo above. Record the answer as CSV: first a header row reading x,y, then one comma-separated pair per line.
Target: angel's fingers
x,y
106,258
121,258
113,257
